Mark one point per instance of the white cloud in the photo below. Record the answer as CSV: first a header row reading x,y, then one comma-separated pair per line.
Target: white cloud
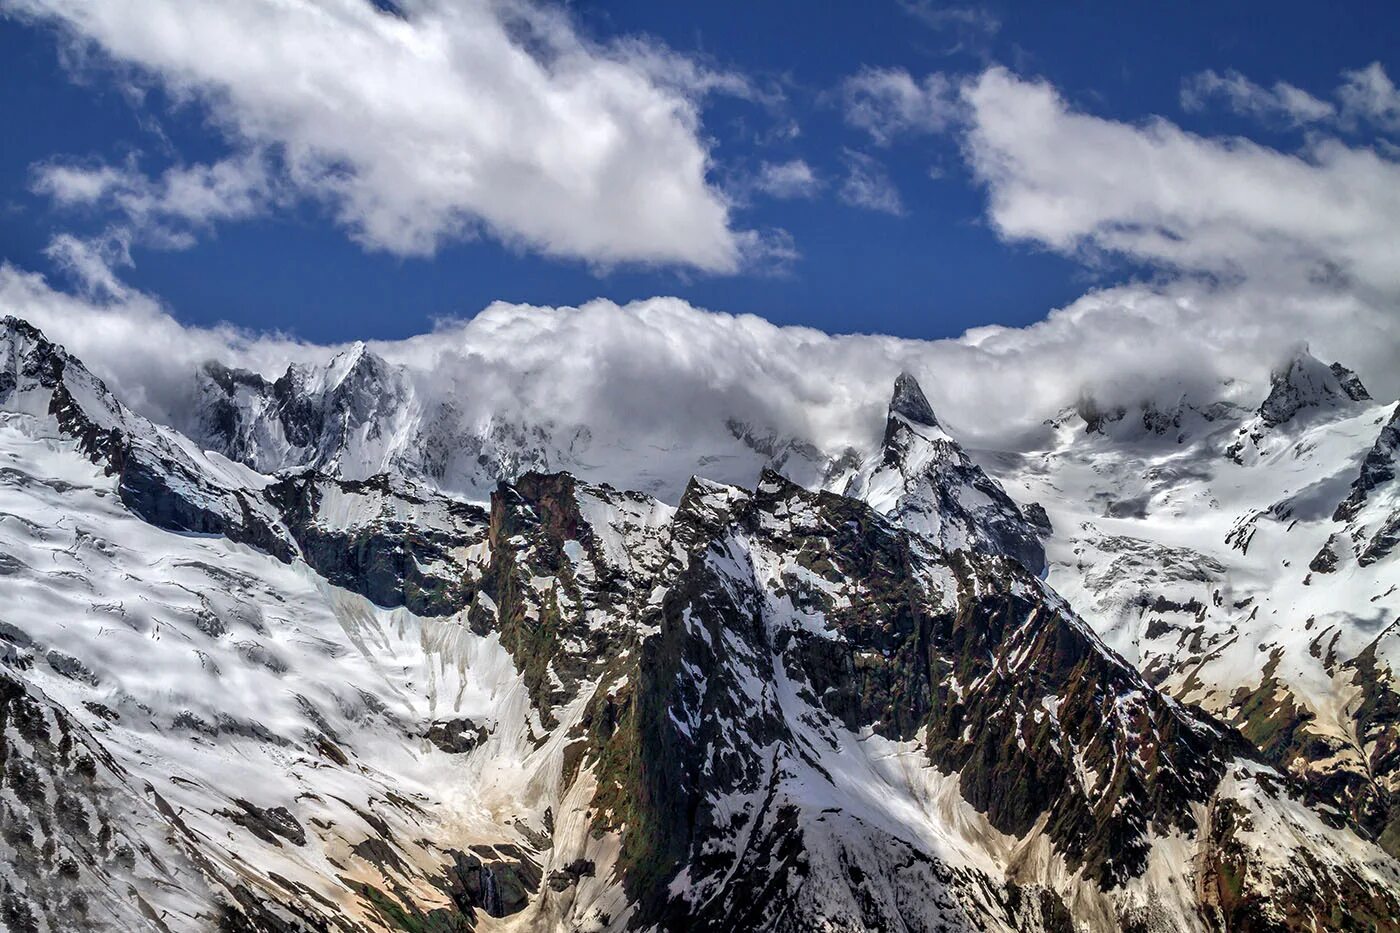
x,y
973,19
867,185
1243,96
93,262
792,179
449,119
1366,97
162,209
1076,182
72,184
1369,95
888,103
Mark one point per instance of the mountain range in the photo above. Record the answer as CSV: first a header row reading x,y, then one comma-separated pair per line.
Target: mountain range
x,y
326,654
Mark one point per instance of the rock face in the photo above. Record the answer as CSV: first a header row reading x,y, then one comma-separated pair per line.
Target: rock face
x,y
387,540
925,481
1372,510
767,708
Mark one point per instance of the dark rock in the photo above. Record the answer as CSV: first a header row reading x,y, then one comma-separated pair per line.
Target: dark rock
x,y
1376,470
70,667
456,736
498,879
1039,519
1350,383
269,824
1325,560
569,875
390,561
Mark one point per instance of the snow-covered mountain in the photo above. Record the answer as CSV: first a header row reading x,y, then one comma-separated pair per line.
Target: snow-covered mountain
x,y
297,681
1241,559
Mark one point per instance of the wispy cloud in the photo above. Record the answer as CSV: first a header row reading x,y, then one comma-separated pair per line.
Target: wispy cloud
x,y
791,179
867,185
941,16
888,103
164,211
1242,95
1369,96
1366,98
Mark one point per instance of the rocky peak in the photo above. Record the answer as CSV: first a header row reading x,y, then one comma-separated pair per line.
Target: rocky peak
x,y
15,332
352,370
39,377
27,357
332,416
928,483
157,476
910,403
1307,382
1303,387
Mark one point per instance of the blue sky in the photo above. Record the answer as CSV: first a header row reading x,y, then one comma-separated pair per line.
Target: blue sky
x,y
76,93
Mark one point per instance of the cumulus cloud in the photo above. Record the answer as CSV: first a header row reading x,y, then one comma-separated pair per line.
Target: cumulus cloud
x,y
867,185
888,103
435,121
791,179
1283,100
1154,192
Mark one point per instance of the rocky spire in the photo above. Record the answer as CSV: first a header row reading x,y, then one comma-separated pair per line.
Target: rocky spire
x,y
909,401
928,483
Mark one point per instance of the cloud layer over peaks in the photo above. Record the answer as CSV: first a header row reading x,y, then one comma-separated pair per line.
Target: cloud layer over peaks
x,y
661,375
439,121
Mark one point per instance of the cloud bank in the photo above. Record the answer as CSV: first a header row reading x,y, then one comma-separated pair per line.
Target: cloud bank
x,y
437,121
663,373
